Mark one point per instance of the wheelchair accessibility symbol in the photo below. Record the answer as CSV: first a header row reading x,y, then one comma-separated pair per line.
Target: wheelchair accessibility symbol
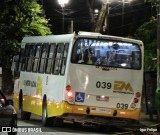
x,y
79,97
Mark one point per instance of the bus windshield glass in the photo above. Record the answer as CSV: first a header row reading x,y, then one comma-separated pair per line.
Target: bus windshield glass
x,y
107,53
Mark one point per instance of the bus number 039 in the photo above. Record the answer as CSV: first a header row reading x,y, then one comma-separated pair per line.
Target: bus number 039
x,y
122,106
103,85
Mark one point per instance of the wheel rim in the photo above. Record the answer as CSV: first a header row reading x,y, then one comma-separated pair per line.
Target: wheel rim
x,y
44,114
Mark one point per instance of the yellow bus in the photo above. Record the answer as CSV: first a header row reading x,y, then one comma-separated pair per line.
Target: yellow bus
x,y
82,77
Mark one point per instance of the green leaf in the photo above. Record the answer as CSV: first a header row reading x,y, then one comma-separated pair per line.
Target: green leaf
x,y
19,18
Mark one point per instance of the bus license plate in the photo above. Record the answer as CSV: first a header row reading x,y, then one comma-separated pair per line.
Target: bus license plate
x,y
102,98
100,110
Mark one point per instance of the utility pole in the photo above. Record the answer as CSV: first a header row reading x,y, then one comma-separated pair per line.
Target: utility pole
x,y
123,2
62,3
62,20
71,26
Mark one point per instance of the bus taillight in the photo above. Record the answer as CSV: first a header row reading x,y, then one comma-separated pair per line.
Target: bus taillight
x,y
138,94
135,100
68,88
69,93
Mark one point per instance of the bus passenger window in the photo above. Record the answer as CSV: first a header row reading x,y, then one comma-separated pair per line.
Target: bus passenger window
x,y
37,58
50,60
21,59
58,59
64,59
43,58
31,57
107,53
25,58
15,63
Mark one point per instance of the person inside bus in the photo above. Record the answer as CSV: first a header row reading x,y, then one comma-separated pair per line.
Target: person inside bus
x,y
135,61
79,57
94,58
78,54
87,56
111,59
104,61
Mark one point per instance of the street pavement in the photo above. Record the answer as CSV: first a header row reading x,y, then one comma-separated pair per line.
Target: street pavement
x,y
145,122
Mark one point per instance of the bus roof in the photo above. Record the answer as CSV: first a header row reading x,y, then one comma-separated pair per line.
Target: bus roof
x,y
66,38
109,37
48,39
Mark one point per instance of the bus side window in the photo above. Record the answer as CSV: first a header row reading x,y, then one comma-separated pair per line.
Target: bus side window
x,y
21,57
37,58
58,59
25,58
43,59
64,60
31,57
15,63
51,57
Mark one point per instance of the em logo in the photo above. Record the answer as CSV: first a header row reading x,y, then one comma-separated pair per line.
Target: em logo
x,y
120,85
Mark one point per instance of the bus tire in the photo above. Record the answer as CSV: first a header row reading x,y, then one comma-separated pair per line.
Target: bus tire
x,y
45,119
20,99
24,115
51,121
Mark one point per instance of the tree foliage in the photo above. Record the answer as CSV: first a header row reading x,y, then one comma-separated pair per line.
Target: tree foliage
x,y
148,34
19,18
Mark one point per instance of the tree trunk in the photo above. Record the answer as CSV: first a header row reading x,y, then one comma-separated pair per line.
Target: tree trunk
x,y
101,17
7,83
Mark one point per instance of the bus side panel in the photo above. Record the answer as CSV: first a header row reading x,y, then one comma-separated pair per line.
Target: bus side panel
x,y
16,100
16,94
35,86
58,109
55,95
32,104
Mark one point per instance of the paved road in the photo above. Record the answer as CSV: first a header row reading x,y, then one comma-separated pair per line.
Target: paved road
x,y
67,129
71,129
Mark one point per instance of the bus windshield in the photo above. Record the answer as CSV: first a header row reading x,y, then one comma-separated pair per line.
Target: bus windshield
x,y
107,53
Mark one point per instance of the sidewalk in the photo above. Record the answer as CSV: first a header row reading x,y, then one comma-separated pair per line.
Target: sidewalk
x,y
145,120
